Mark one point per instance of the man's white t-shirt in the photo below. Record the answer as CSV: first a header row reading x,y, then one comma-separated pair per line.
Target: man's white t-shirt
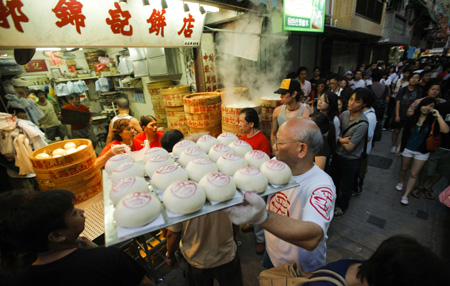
x,y
357,84
312,201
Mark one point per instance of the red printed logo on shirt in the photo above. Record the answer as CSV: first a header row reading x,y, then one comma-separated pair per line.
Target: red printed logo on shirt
x,y
137,200
322,200
279,203
184,189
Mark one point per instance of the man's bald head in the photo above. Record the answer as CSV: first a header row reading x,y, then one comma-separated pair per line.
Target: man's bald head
x,y
123,103
304,130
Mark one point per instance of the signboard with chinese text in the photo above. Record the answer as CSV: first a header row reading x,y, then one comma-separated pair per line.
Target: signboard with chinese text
x,y
106,23
36,66
304,15
209,63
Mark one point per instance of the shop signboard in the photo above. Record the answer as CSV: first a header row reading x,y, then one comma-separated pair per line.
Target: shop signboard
x,y
304,15
105,23
35,66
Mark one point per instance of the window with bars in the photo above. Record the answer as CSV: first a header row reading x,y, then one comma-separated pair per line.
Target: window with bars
x,y
371,9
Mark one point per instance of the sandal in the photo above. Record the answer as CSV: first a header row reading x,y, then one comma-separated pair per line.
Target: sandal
x,y
429,194
416,192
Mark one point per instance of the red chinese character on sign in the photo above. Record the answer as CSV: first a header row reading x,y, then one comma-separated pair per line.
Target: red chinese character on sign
x,y
10,10
205,57
187,30
211,57
208,79
212,69
213,79
69,12
206,68
214,87
119,19
209,89
157,22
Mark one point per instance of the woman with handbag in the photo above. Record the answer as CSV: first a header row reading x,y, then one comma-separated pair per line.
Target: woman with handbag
x,y
413,145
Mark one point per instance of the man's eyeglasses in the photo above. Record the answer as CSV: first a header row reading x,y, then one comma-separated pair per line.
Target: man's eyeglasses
x,y
282,143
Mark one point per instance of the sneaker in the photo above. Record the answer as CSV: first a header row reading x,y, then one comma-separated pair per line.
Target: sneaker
x,y
404,201
399,187
392,130
384,129
338,212
238,243
393,149
356,193
260,247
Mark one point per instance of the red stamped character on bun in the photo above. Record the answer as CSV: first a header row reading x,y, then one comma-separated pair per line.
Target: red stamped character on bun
x,y
124,184
124,166
221,148
249,171
183,143
193,151
137,200
218,179
275,165
167,169
159,158
256,154
205,138
232,157
184,189
240,143
119,157
202,161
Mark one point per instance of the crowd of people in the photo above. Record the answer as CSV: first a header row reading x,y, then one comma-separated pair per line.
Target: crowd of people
x,y
324,131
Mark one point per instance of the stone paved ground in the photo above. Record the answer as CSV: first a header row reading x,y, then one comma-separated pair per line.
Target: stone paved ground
x,y
372,217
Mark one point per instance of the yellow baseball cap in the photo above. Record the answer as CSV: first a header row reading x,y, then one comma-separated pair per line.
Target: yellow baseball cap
x,y
288,85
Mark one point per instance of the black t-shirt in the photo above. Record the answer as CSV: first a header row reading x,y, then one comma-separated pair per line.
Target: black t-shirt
x,y
444,110
97,266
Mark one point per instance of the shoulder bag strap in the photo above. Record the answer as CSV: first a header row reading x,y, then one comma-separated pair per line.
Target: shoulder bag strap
x,y
336,275
432,128
354,124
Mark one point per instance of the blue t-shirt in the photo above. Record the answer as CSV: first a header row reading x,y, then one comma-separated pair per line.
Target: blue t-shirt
x,y
416,138
340,267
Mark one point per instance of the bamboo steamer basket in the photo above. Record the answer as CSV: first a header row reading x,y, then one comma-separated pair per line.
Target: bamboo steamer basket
x,y
74,172
154,87
176,119
241,92
203,112
173,96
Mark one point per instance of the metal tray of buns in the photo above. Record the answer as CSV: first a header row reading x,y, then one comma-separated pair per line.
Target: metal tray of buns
x,y
114,234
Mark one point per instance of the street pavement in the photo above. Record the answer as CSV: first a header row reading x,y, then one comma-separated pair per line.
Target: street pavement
x,y
372,217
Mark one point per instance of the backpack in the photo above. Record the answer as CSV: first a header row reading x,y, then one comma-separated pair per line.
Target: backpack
x,y
291,274
380,103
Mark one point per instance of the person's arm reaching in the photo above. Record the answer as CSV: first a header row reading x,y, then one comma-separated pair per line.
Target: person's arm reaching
x,y
303,234
110,136
104,157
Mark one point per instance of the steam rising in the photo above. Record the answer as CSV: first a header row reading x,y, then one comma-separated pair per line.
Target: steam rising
x,y
261,77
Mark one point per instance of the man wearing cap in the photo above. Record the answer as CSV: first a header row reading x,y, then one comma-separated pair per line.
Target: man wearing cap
x,y
357,82
291,96
366,78
349,75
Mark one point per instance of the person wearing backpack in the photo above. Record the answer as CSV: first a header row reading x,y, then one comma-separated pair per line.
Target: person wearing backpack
x,y
382,96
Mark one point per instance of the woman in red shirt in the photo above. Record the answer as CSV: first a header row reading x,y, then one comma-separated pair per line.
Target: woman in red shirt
x,y
150,133
124,135
248,125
